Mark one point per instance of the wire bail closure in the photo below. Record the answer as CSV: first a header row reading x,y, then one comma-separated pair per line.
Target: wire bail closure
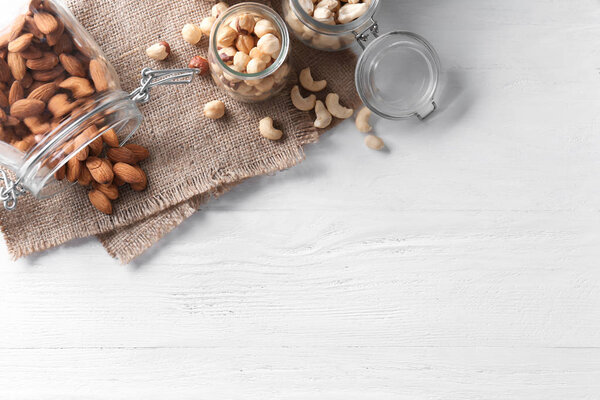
x,y
363,36
151,78
11,190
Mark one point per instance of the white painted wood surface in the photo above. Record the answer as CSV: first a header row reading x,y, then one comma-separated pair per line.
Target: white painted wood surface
x,y
461,264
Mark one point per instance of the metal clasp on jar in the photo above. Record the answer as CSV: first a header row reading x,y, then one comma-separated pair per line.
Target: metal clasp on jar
x,y
363,36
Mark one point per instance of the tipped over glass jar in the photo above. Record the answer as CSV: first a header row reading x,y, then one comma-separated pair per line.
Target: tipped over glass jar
x,y
59,98
397,75
248,52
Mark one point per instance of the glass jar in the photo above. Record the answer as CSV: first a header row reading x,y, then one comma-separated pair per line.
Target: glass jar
x,y
223,54
58,95
397,75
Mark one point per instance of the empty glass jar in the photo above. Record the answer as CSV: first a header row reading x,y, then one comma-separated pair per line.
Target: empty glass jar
x,y
397,75
248,52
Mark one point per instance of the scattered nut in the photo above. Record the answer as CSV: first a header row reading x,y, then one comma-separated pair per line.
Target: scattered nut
x,y
191,33
373,142
219,9
159,51
302,103
333,106
199,63
214,109
207,24
362,120
268,131
307,82
324,117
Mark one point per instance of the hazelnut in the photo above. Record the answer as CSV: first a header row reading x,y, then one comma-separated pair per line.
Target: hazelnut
x,y
219,9
245,24
214,109
207,24
159,51
227,54
226,36
269,44
255,66
241,60
263,27
245,43
200,63
256,53
191,33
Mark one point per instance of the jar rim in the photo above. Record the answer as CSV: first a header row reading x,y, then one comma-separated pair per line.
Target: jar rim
x,y
285,40
334,29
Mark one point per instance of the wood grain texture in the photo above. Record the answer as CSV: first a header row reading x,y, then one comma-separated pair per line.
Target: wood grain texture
x,y
462,263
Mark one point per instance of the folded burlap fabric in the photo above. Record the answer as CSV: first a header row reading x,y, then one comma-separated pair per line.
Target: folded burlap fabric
x,y
192,159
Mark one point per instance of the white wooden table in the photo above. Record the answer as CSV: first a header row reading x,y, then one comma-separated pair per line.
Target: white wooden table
x,y
462,264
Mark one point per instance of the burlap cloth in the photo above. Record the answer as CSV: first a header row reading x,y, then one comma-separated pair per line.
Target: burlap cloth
x,y
192,159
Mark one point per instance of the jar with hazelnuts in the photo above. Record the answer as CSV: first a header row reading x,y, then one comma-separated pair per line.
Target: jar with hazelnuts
x,y
249,51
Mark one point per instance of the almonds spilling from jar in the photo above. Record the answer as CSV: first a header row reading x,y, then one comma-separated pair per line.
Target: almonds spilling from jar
x,y
104,175
45,77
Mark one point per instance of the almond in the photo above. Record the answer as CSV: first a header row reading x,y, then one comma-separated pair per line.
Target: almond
x,y
43,92
3,99
100,201
118,182
139,187
85,178
128,173
47,61
121,154
17,27
96,146
17,66
80,87
60,173
27,108
32,27
20,43
45,22
49,75
98,73
74,167
140,152
83,154
110,138
27,81
72,65
4,71
111,191
59,105
100,170
37,125
16,92
54,37
3,117
63,45
31,53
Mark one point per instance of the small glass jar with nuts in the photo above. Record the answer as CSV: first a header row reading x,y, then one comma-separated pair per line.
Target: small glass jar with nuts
x,y
248,54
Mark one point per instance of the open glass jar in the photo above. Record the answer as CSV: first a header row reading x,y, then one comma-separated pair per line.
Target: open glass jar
x,y
397,75
60,99
238,56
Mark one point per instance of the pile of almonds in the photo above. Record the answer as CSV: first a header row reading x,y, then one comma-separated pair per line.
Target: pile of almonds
x,y
45,77
105,174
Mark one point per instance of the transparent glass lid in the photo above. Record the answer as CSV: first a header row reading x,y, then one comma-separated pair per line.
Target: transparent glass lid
x,y
397,76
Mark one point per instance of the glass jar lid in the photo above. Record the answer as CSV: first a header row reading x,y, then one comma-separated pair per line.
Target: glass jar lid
x,y
397,76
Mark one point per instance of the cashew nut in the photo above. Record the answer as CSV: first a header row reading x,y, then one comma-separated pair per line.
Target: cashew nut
x,y
324,118
307,5
302,103
334,107
324,15
362,120
332,5
375,143
350,12
267,130
307,82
